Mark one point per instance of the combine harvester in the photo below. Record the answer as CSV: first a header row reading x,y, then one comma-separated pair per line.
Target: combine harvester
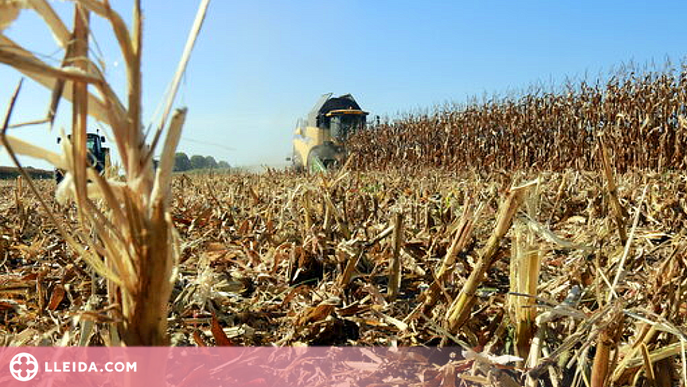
x,y
319,143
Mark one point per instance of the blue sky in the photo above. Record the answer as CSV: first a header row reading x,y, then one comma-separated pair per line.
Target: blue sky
x,y
260,65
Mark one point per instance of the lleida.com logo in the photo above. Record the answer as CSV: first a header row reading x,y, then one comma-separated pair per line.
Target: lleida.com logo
x,y
24,367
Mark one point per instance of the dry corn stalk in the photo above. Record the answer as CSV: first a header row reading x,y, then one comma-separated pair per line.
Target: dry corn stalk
x,y
9,10
619,213
524,278
137,248
647,333
461,238
607,343
395,263
460,309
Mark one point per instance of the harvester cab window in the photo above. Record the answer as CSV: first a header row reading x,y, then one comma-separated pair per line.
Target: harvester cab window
x,y
346,124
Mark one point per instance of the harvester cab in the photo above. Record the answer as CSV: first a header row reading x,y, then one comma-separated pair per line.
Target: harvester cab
x,y
319,142
98,155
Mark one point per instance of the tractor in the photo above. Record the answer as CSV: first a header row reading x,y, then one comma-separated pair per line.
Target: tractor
x,y
98,155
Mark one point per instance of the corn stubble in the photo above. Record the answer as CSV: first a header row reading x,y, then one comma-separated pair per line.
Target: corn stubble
x,y
298,260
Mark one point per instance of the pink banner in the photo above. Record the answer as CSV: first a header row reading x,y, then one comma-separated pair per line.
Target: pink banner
x,y
227,366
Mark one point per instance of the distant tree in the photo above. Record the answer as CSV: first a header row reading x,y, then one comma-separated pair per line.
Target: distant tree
x,y
181,162
198,162
223,165
210,162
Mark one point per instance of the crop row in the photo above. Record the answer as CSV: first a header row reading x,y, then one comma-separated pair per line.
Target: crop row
x,y
640,116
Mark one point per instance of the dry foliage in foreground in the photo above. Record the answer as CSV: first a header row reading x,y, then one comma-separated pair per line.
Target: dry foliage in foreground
x,y
122,227
288,259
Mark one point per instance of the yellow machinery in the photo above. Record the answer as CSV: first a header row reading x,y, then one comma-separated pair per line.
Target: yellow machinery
x,y
319,142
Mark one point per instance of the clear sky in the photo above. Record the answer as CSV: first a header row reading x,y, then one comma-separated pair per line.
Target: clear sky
x,y
260,65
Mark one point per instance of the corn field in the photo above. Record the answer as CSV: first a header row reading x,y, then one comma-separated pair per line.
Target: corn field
x,y
540,239
642,116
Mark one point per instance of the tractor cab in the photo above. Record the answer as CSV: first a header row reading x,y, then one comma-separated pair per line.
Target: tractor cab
x,y
344,122
339,117
94,143
98,155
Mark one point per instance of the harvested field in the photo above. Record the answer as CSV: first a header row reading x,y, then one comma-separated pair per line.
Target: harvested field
x,y
574,284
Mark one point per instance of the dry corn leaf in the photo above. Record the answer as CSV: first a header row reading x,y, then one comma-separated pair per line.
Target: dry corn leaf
x,y
56,297
221,338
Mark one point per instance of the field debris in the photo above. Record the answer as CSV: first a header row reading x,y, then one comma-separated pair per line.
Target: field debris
x,y
287,259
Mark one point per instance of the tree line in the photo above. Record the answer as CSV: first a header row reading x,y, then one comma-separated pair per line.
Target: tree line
x,y
183,163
